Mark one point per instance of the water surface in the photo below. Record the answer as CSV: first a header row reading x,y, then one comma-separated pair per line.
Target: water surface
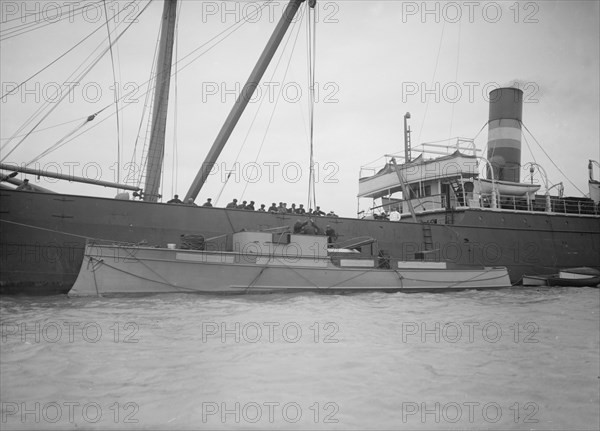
x,y
508,359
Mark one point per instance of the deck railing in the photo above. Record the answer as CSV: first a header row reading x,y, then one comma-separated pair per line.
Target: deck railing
x,y
551,205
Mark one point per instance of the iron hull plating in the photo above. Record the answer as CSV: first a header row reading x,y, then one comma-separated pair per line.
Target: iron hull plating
x,y
42,235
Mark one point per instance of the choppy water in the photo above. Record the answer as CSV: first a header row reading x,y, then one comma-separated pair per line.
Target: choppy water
x,y
509,359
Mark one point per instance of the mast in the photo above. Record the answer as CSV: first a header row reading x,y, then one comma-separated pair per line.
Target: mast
x,y
156,149
407,157
244,96
405,190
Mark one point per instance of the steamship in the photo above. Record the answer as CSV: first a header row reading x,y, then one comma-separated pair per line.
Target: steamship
x,y
442,207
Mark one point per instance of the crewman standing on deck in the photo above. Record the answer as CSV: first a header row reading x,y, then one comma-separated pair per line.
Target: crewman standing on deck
x,y
299,225
25,186
331,235
175,200
311,228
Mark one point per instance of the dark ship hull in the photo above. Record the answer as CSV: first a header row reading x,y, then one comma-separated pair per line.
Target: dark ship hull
x,y
43,235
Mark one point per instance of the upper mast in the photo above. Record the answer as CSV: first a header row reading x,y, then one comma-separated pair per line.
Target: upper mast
x,y
407,157
156,149
245,96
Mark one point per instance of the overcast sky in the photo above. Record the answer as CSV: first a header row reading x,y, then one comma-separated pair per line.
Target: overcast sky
x,y
375,60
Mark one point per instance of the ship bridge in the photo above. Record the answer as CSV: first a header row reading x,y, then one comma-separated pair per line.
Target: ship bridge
x,y
426,180
451,181
418,174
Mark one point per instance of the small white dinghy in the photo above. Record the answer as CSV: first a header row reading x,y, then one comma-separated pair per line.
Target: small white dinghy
x,y
268,262
567,277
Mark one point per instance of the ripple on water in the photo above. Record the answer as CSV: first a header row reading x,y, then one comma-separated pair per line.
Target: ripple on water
x,y
364,360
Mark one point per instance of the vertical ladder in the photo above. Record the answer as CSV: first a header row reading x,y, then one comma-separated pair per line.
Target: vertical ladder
x,y
458,192
427,236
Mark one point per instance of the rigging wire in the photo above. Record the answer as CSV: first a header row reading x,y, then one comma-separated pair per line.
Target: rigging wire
x,y
50,64
278,95
549,158
46,67
47,128
311,22
61,142
66,93
372,162
529,148
254,118
147,107
231,29
150,83
175,163
225,34
37,23
455,77
71,80
35,13
116,95
437,60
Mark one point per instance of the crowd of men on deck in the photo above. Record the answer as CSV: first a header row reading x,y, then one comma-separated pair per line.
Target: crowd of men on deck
x,y
308,227
282,208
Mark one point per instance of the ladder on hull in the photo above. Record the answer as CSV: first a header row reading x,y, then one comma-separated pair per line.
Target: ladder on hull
x,y
427,237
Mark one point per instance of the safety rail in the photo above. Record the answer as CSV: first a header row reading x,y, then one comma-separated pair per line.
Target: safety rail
x,y
549,204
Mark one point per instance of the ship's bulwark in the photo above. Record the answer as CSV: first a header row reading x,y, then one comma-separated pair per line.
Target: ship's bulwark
x,y
43,235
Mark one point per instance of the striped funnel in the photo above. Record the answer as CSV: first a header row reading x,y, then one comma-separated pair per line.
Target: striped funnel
x,y
504,134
